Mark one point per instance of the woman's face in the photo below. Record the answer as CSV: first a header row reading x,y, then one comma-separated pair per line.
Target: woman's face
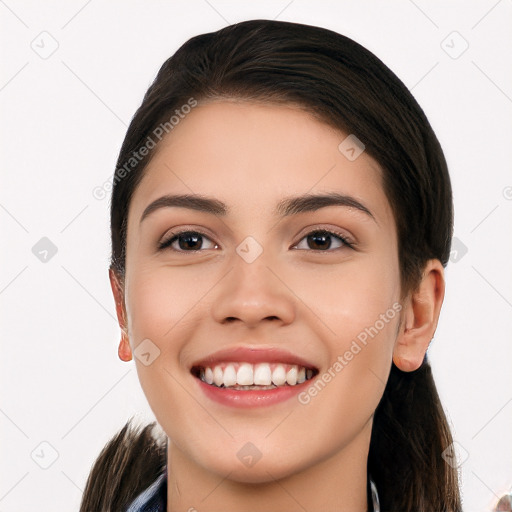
x,y
256,279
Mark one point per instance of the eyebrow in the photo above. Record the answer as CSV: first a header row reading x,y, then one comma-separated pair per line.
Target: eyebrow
x,y
285,208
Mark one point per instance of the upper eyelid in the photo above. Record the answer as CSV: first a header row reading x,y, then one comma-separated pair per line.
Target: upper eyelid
x,y
331,230
174,234
346,240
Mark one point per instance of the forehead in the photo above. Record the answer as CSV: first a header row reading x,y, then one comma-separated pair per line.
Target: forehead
x,y
249,155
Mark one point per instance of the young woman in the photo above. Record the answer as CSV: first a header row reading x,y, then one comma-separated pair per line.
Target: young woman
x,y
281,218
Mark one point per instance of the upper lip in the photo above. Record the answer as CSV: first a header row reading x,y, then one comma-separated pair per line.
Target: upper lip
x,y
253,355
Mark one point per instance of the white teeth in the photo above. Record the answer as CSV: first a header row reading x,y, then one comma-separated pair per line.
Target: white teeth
x,y
291,376
208,375
244,376
262,374
218,376
230,376
258,376
279,375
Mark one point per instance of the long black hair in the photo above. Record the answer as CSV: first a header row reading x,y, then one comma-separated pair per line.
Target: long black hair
x,y
348,87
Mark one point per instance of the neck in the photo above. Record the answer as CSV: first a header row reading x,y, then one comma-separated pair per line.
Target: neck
x,y
337,484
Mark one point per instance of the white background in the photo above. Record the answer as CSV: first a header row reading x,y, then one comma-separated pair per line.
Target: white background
x,y
63,120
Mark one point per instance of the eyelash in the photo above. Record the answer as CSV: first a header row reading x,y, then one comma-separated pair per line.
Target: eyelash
x,y
174,236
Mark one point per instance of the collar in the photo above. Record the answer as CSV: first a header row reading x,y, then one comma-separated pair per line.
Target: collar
x,y
154,498
374,495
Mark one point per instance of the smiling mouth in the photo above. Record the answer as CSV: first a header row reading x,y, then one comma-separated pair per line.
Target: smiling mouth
x,y
248,377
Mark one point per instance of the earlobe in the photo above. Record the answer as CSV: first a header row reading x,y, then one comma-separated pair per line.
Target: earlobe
x,y
124,351
420,318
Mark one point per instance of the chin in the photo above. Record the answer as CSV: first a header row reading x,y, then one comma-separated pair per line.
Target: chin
x,y
253,467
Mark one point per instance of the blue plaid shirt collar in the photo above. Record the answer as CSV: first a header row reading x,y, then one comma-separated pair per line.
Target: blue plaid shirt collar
x,y
153,499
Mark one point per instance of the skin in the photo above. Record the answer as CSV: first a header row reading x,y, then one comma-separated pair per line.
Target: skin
x,y
313,303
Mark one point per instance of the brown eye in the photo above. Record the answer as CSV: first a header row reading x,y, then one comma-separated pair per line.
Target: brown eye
x,y
186,241
322,240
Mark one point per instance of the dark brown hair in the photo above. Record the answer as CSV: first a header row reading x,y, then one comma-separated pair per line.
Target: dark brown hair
x,y
346,86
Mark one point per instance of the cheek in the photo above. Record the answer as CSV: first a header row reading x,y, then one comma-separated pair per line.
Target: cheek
x,y
357,313
161,307
366,320
157,299
349,297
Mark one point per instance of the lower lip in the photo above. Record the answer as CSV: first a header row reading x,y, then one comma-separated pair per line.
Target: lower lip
x,y
251,398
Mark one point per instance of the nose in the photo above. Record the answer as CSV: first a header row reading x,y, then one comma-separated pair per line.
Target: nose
x,y
252,293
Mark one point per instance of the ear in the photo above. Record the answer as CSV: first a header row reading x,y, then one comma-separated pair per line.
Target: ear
x,y
420,317
124,351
